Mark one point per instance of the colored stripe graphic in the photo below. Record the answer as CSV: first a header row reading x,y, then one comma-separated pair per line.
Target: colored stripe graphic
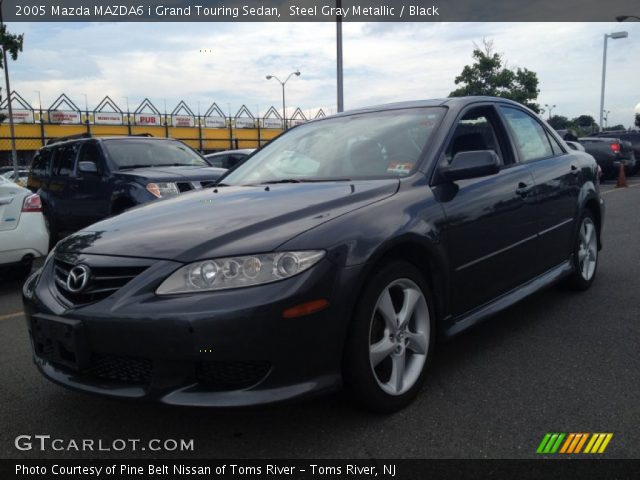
x,y
550,443
598,443
581,443
573,443
543,443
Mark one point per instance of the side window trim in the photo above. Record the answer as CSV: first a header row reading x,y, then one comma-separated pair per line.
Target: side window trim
x,y
554,141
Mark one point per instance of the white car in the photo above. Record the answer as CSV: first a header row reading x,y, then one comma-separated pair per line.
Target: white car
x,y
23,233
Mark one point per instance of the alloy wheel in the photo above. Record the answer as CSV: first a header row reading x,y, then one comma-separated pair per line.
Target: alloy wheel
x,y
399,336
587,249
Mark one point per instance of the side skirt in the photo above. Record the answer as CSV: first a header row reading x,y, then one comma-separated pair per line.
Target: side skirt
x,y
476,316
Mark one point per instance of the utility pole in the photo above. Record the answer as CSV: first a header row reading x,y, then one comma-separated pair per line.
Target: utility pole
x,y
339,56
14,153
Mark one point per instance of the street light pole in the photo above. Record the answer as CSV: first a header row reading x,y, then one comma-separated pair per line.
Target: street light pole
x,y
614,36
14,153
549,109
339,57
284,106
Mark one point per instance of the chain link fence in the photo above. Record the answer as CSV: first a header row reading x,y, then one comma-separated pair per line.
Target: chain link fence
x,y
31,137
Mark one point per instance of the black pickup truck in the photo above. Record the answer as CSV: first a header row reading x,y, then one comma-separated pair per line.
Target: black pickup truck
x,y
633,137
83,180
610,152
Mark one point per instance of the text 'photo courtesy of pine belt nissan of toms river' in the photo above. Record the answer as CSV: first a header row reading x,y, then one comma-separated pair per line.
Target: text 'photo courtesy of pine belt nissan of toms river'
x,y
333,257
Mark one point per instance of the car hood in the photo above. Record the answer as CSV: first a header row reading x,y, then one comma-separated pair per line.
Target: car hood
x,y
226,221
175,174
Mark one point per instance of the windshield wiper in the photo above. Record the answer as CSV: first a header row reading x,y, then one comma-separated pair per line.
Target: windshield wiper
x,y
129,167
305,180
282,180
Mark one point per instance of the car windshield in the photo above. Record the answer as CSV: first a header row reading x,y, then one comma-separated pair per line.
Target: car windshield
x,y
152,153
367,145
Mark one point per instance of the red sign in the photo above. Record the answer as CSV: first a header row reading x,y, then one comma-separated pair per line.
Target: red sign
x,y
147,119
62,116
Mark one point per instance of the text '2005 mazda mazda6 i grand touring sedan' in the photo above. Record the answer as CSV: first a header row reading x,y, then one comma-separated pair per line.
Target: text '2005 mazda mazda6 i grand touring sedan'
x,y
335,256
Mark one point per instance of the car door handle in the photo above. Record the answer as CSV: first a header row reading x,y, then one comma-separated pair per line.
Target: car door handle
x,y
523,189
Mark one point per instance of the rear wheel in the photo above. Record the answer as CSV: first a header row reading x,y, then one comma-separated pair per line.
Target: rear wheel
x,y
585,253
21,271
391,339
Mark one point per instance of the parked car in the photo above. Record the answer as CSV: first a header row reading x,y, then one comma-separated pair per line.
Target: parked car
x,y
5,168
21,178
610,153
83,180
633,137
230,158
23,235
334,256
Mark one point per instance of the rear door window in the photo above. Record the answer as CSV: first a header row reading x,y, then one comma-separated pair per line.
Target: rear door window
x,y
41,162
555,145
64,161
528,134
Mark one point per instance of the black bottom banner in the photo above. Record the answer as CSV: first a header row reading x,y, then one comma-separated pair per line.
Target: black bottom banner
x,y
543,468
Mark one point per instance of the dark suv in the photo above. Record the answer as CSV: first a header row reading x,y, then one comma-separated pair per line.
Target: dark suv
x,y
83,180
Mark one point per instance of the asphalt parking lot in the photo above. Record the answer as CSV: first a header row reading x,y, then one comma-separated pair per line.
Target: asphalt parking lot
x,y
557,362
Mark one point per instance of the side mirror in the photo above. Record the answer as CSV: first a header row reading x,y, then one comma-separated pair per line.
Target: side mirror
x,y
88,167
478,163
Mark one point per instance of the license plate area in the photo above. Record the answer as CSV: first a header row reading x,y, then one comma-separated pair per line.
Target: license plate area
x,y
60,340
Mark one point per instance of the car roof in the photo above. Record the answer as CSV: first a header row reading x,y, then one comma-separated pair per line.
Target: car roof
x,y
226,152
436,102
123,137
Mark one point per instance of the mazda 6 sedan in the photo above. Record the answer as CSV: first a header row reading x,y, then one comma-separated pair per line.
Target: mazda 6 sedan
x,y
334,257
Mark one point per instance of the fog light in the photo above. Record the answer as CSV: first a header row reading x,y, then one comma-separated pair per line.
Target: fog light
x,y
305,308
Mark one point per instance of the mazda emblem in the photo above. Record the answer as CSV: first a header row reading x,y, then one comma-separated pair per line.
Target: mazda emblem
x,y
78,278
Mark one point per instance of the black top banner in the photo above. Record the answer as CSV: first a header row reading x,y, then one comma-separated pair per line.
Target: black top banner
x,y
319,10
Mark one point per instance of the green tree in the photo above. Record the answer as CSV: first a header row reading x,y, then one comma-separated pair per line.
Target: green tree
x,y
490,75
12,44
559,122
585,124
615,127
638,120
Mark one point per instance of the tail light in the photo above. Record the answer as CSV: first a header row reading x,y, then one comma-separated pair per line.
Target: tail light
x,y
615,147
32,203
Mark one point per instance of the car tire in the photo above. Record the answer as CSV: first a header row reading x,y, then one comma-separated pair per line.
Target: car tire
x,y
585,254
387,351
20,272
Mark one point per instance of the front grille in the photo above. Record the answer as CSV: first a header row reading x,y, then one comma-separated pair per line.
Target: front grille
x,y
231,375
185,186
103,281
120,369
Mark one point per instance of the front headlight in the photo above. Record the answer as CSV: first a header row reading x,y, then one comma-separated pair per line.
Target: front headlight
x,y
235,272
166,189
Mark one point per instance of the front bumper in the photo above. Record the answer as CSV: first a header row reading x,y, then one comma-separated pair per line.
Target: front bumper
x,y
227,348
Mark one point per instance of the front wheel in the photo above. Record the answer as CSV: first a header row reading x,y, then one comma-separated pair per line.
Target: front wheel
x,y
585,254
391,339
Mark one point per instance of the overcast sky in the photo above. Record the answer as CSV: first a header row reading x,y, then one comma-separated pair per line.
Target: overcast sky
x,y
383,62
